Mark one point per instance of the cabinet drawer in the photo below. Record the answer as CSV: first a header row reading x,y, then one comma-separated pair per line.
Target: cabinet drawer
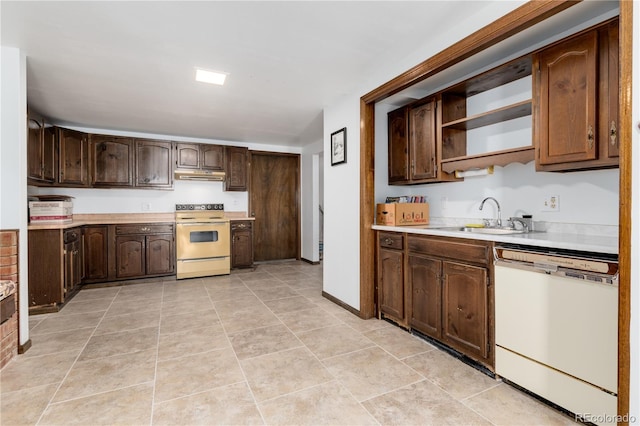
x,y
476,252
71,235
240,225
391,240
144,228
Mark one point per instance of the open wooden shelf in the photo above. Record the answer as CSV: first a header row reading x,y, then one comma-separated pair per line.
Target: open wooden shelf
x,y
497,158
517,110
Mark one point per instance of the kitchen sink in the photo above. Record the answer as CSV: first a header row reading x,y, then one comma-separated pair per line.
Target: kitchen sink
x,y
493,231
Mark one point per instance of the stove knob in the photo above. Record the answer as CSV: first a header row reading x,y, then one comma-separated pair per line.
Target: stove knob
x,y
209,207
190,206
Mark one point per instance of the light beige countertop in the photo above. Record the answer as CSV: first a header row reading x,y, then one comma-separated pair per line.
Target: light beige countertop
x,y
561,240
124,218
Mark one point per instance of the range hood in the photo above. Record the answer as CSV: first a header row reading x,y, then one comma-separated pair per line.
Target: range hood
x,y
187,174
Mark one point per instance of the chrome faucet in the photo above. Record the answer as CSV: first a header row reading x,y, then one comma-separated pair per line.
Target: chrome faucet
x,y
499,220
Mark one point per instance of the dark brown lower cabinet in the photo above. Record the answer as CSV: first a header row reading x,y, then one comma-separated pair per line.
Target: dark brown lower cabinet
x,y
143,250
73,260
55,267
130,256
242,244
465,302
439,287
424,280
392,291
96,266
160,254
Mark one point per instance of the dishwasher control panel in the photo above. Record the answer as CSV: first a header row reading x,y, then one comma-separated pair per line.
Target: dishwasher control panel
x,y
571,264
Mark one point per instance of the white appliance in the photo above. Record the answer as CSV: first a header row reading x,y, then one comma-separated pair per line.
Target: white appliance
x,y
556,328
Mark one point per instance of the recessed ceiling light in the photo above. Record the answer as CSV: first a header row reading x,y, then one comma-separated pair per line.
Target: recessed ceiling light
x,y
211,77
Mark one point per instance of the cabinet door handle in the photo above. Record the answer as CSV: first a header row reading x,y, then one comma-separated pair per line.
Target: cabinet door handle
x,y
145,229
590,137
614,133
388,241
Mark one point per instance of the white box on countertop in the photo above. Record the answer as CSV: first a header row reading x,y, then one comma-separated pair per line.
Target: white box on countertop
x,y
50,211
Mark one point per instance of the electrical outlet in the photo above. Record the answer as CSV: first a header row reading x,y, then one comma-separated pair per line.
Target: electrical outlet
x,y
551,203
145,207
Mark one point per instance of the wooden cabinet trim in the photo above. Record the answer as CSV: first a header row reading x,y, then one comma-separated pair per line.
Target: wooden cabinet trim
x,y
477,252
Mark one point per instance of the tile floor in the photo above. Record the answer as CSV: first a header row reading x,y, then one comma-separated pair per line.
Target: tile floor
x,y
259,347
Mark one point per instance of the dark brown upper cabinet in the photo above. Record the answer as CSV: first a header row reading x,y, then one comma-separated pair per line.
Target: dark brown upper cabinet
x,y
576,108
41,151
212,157
154,164
188,155
413,144
236,168
112,160
73,152
199,156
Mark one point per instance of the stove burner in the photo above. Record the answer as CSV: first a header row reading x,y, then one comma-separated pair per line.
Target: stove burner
x,y
218,207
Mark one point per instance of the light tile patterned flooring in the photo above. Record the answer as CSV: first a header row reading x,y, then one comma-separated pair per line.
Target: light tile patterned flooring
x,y
259,347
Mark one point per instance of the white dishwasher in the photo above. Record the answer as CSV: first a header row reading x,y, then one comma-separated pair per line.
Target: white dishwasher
x,y
556,327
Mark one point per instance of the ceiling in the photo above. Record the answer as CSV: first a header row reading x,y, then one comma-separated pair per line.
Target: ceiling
x,y
130,66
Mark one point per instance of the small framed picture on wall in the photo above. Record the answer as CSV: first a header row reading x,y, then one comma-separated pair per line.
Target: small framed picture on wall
x,y
339,146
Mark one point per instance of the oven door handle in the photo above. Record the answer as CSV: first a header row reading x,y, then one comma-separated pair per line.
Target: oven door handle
x,y
201,223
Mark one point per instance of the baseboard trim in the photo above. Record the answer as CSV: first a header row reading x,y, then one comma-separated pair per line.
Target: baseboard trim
x,y
340,303
25,347
310,261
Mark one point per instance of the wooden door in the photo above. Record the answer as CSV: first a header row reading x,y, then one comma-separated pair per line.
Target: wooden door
x,y
154,164
130,256
72,266
425,282
236,168
46,272
610,91
391,284
568,75
398,146
95,252
112,161
160,254
35,129
465,308
73,164
49,154
187,155
212,157
241,244
275,204
422,141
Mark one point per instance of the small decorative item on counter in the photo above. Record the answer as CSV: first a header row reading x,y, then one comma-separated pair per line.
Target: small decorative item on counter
x,y
50,209
407,199
402,214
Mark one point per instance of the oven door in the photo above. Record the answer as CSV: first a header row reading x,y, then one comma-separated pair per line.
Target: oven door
x,y
201,240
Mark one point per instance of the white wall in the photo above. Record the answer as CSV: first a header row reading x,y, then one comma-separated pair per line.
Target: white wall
x,y
13,162
341,257
310,188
